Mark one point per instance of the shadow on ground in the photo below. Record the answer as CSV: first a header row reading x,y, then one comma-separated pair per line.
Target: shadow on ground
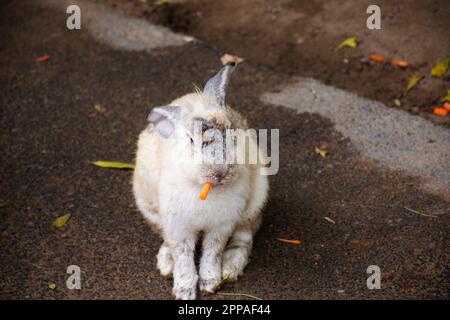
x,y
51,131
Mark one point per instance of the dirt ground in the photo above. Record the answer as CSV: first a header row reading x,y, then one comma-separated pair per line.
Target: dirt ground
x,y
299,37
50,132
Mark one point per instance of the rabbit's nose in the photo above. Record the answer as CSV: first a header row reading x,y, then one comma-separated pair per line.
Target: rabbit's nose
x,y
221,171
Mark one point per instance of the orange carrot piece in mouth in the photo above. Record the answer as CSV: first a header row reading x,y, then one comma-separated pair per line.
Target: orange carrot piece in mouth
x,y
205,190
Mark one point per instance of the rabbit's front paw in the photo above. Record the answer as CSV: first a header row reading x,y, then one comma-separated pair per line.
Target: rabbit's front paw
x,y
234,262
184,293
165,261
185,288
209,285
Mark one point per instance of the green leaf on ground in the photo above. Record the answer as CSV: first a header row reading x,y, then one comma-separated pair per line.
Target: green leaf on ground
x,y
219,286
61,221
441,68
42,58
350,42
447,97
161,2
52,286
99,108
113,164
413,81
397,102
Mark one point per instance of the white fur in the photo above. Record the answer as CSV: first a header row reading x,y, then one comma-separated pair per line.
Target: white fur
x,y
167,194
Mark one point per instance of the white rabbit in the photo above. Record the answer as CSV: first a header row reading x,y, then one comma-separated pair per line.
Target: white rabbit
x,y
167,183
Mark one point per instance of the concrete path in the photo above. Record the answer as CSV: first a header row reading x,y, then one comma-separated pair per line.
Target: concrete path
x,y
347,209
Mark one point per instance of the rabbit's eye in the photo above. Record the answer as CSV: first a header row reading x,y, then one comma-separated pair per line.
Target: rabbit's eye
x,y
208,139
207,142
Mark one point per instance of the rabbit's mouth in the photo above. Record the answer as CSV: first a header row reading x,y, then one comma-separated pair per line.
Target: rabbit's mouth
x,y
218,180
215,181
221,181
219,174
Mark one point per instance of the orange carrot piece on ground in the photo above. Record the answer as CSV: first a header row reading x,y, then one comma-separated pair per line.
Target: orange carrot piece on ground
x,y
375,57
289,241
446,106
440,111
42,59
400,63
205,190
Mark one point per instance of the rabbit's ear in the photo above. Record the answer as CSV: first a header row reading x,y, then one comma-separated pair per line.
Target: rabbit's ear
x,y
164,119
216,86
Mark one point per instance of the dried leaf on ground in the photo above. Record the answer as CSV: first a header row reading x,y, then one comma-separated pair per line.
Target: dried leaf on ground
x,y
441,68
322,152
229,58
358,244
421,213
350,42
99,108
440,112
188,38
61,221
375,57
297,242
113,164
397,102
42,58
400,63
413,81
330,220
52,286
